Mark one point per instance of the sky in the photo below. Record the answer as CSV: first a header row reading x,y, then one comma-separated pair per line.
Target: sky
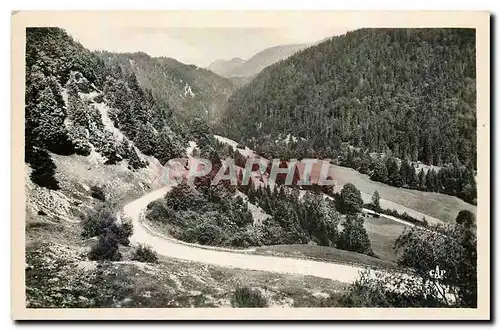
x,y
197,45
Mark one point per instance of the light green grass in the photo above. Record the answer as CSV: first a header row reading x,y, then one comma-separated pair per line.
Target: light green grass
x,y
440,206
383,234
324,253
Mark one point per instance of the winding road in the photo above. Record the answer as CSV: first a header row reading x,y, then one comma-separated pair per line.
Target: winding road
x,y
225,257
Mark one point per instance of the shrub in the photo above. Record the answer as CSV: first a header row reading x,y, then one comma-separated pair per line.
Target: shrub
x,y
388,290
104,220
158,210
354,236
43,168
208,234
106,248
97,193
145,254
95,223
350,199
246,297
182,197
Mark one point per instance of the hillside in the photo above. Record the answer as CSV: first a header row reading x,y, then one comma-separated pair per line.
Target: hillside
x,y
406,93
105,226
225,67
255,64
188,90
95,141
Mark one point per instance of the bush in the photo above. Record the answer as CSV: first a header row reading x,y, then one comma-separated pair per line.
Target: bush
x,y
97,193
103,220
209,234
246,297
145,254
388,290
354,236
158,210
43,168
350,199
106,248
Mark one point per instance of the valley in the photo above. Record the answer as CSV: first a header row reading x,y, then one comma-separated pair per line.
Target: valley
x,y
106,228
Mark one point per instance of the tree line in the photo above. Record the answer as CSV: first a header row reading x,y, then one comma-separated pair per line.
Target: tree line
x,y
65,85
409,93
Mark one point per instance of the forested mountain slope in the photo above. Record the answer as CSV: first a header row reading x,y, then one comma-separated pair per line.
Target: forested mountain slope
x,y
75,104
188,90
407,94
406,91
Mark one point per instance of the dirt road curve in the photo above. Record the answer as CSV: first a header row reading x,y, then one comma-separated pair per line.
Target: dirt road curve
x,y
224,258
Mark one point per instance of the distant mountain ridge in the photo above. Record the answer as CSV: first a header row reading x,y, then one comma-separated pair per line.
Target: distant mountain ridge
x,y
188,90
237,67
226,67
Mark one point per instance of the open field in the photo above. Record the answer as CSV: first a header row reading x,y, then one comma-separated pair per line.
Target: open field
x,y
383,234
414,202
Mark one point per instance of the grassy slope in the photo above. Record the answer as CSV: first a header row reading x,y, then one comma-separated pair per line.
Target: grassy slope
x,y
383,234
414,202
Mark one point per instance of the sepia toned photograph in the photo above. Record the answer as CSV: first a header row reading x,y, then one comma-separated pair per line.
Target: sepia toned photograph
x,y
249,165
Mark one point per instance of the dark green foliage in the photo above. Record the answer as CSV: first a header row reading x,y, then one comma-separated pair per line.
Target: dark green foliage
x,y
51,55
376,201
406,93
182,90
43,168
466,218
141,120
248,298
350,199
208,234
103,220
294,220
453,249
209,215
134,160
381,89
55,61
144,253
106,248
389,290
354,236
183,197
98,193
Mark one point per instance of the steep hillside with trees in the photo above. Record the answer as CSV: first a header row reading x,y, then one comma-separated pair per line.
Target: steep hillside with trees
x,y
188,90
75,104
406,93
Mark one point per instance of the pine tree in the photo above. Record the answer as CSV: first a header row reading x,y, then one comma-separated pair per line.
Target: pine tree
x,y
350,199
376,201
422,180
